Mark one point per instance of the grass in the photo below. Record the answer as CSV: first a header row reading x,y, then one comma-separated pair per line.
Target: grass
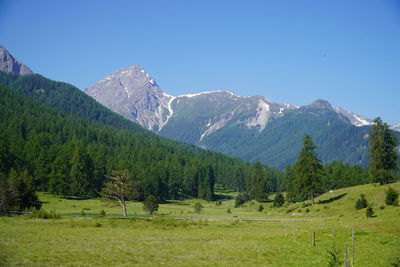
x,y
76,240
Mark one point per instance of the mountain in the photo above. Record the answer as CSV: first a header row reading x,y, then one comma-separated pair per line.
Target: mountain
x,y
251,128
70,144
355,119
10,65
132,93
396,127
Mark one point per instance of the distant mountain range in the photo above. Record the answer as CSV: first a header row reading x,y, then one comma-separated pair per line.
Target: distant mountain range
x,y
251,128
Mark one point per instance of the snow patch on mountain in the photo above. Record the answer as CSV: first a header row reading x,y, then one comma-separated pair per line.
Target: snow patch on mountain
x,y
354,118
395,127
262,116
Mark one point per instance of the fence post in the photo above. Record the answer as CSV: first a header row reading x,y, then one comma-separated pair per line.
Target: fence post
x,y
352,244
313,239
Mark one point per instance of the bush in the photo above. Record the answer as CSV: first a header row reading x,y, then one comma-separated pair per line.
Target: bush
x,y
392,197
198,207
370,212
150,204
361,203
260,208
279,200
228,211
333,257
42,214
239,200
83,213
102,213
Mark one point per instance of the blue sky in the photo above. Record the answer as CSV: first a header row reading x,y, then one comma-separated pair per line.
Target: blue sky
x,y
347,52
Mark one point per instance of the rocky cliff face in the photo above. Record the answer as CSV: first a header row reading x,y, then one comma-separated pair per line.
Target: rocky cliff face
x,y
9,64
133,93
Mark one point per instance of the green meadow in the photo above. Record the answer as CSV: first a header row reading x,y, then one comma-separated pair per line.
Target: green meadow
x,y
81,237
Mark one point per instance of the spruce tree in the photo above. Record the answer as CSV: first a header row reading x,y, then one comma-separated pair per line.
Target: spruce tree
x,y
308,172
383,152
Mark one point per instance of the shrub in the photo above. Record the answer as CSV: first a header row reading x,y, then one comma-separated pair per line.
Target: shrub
x,y
370,212
198,207
218,203
361,203
279,200
42,214
239,200
333,257
307,210
150,204
228,211
102,213
260,208
392,197
83,213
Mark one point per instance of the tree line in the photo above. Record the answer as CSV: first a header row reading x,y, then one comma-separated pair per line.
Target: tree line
x,y
68,144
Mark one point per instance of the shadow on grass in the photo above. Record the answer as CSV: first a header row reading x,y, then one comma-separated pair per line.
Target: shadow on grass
x,y
330,200
222,197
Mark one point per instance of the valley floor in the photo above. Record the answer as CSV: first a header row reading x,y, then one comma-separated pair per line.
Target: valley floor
x,y
161,240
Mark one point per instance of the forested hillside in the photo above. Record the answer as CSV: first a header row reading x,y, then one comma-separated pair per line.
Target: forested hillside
x,y
71,155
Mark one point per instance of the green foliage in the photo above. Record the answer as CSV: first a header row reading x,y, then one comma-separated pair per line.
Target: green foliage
x,y
43,214
279,200
17,192
333,257
228,211
241,199
339,175
308,173
383,152
71,148
259,183
392,197
260,208
369,212
361,203
150,204
198,207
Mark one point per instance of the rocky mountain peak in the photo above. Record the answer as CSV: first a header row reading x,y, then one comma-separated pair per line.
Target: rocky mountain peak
x,y
320,104
9,64
133,93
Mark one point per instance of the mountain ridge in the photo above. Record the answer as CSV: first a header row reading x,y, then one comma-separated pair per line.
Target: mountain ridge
x,y
252,128
10,65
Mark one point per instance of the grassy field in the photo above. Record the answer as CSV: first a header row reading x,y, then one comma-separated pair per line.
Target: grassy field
x,y
161,240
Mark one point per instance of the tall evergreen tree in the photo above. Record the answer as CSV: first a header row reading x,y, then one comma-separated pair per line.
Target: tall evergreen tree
x,y
383,152
258,184
308,171
81,171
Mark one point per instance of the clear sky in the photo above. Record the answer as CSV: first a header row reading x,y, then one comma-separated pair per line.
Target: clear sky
x,y
343,51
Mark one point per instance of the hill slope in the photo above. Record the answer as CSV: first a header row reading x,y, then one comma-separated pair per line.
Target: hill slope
x,y
68,154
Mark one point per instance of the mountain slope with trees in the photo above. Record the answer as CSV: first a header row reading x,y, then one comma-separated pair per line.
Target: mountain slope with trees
x,y
71,155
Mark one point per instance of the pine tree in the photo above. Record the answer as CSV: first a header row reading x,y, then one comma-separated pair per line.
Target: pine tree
x,y
383,152
81,171
308,171
257,185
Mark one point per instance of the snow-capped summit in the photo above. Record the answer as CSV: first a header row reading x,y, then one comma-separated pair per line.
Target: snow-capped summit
x,y
354,118
396,127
